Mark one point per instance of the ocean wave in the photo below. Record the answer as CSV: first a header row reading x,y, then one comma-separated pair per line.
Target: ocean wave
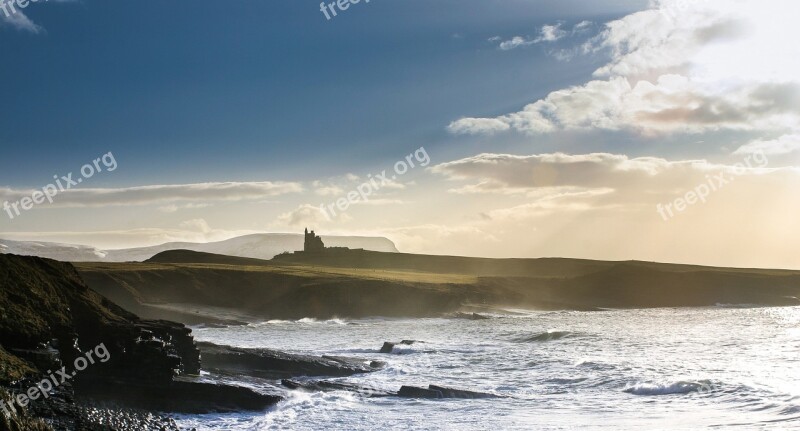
x,y
593,365
566,380
721,305
674,388
305,320
544,336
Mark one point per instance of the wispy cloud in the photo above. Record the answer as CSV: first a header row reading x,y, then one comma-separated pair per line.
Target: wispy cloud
x,y
19,21
548,33
144,195
175,208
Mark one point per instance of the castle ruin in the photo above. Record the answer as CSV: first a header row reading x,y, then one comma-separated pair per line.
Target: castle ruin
x,y
313,243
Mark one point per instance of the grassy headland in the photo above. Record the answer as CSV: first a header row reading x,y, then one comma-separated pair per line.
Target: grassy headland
x,y
357,283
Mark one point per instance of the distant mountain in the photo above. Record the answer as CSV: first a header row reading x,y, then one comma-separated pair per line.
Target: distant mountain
x,y
52,250
258,246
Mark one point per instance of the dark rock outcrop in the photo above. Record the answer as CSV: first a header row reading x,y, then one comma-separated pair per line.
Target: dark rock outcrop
x,y
434,391
275,364
415,392
388,346
460,393
49,319
181,395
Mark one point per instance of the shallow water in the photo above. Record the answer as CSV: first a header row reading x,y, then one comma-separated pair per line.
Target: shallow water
x,y
622,369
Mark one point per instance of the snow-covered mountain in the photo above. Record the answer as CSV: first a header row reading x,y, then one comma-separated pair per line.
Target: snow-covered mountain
x,y
259,246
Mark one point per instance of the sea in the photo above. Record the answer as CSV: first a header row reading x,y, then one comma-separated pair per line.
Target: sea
x,y
720,368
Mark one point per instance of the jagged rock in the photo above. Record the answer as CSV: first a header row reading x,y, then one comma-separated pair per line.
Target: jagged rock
x,y
178,336
44,358
275,364
388,346
48,314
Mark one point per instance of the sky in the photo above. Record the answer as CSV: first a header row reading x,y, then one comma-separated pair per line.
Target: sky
x,y
623,129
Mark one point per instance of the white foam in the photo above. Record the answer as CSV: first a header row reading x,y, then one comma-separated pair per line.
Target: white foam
x,y
681,387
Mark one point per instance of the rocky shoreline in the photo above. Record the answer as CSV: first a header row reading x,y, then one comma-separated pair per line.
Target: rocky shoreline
x,y
54,375
70,359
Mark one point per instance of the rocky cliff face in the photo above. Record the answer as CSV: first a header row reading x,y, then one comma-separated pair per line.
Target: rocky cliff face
x,y
50,319
45,306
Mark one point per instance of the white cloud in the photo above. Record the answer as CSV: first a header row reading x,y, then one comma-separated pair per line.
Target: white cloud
x,y
783,145
673,103
544,176
328,190
304,215
551,33
680,73
478,125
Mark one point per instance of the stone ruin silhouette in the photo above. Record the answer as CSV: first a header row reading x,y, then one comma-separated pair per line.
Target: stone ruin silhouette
x,y
313,243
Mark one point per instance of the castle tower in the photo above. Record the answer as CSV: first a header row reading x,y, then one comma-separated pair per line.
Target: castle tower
x,y
312,243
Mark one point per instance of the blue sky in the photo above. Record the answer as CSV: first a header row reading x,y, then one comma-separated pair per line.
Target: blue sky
x,y
193,91
553,128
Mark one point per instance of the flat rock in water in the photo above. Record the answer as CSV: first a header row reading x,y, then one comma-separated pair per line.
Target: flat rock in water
x,y
460,393
359,362
415,392
431,392
434,391
276,364
323,385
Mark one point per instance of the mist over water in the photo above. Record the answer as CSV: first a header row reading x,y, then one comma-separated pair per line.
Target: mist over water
x,y
623,369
